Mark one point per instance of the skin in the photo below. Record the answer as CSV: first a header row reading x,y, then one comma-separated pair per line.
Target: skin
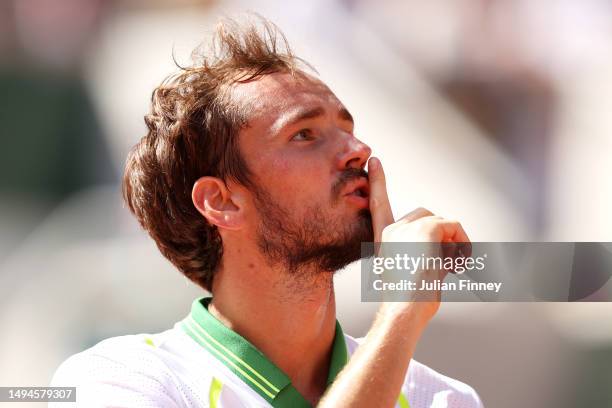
x,y
297,163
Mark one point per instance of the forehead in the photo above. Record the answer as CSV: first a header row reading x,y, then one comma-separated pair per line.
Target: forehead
x,y
274,95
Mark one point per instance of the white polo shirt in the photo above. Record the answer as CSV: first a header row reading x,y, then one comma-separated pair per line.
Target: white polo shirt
x,y
202,363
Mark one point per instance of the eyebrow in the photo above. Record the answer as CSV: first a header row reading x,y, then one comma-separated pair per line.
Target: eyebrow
x,y
304,114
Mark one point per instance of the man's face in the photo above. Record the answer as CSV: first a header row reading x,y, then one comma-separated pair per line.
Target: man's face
x,y
311,196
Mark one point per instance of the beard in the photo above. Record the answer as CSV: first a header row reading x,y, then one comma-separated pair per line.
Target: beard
x,y
318,242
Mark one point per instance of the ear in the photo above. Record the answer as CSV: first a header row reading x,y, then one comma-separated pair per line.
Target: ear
x,y
214,201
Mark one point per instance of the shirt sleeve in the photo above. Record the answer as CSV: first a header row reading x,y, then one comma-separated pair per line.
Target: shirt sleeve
x,y
103,382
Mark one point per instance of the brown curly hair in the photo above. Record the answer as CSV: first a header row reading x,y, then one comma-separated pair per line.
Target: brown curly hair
x,y
193,131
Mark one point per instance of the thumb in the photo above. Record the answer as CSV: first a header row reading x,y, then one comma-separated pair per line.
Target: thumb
x,y
379,200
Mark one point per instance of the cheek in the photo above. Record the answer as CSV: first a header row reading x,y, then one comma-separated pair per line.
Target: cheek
x,y
280,165
299,183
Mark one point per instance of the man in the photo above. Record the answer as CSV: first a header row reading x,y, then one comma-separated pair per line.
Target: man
x,y
252,183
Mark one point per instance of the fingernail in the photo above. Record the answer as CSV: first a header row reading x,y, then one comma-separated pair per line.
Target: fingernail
x,y
374,163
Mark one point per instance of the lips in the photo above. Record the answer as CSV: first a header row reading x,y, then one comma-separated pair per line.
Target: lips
x,y
359,188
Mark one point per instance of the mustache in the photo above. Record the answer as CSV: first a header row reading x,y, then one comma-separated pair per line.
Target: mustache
x,y
345,177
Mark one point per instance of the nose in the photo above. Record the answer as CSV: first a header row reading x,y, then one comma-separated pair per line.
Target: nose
x,y
354,153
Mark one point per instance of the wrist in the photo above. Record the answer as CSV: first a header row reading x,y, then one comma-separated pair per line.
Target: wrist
x,y
412,315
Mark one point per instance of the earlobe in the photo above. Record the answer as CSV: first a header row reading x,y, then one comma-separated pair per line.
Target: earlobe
x,y
213,200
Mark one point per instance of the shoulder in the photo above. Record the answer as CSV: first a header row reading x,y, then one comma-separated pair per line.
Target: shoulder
x,y
426,387
134,353
119,370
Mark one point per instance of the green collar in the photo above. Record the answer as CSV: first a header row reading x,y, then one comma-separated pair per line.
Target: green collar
x,y
247,362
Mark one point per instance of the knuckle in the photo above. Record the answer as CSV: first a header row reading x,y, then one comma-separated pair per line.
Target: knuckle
x,y
424,210
427,227
433,221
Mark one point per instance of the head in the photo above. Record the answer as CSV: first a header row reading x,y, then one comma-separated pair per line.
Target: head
x,y
247,145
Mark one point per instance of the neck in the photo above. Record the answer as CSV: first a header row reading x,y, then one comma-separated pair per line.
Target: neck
x,y
255,300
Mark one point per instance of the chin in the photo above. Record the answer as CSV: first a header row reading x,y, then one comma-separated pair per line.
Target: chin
x,y
364,217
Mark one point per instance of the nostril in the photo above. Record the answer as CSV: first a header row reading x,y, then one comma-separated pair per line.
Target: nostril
x,y
354,163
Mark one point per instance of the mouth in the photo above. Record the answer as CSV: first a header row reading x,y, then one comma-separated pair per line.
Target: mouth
x,y
358,189
360,192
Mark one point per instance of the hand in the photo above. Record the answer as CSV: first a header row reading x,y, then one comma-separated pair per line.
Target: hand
x,y
419,225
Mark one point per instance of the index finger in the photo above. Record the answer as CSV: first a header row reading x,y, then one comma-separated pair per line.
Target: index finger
x,y
379,200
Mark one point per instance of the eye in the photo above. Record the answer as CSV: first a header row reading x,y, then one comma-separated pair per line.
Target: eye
x,y
302,135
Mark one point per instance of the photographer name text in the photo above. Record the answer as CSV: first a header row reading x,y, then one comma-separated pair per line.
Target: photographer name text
x,y
461,285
